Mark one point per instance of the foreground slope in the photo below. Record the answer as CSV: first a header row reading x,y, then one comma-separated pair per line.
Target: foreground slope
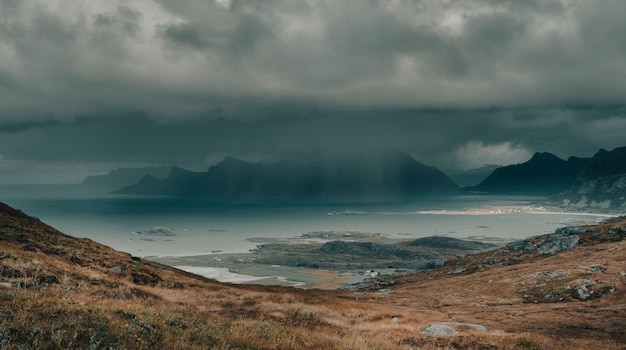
x,y
61,292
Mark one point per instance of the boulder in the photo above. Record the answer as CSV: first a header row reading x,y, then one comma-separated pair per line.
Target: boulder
x,y
437,330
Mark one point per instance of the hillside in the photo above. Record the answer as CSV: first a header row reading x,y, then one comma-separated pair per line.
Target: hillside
x,y
385,175
600,185
605,164
543,174
559,291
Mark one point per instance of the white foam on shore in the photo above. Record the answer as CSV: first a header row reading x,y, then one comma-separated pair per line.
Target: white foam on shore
x,y
220,274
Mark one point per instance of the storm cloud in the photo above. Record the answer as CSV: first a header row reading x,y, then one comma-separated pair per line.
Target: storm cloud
x,y
185,82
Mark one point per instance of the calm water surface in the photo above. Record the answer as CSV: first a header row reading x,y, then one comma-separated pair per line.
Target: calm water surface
x,y
200,226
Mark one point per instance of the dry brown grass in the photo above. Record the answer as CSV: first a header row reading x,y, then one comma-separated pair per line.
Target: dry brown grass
x,y
69,297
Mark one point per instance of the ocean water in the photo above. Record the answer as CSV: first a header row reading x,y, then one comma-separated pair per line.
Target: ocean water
x,y
162,226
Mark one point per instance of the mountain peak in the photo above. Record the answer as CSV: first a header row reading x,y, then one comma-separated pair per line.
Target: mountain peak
x,y
605,163
544,173
368,176
544,156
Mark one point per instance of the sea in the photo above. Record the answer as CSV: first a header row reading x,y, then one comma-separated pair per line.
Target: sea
x,y
153,226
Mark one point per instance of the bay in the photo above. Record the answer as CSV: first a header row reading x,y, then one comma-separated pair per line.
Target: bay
x,y
165,226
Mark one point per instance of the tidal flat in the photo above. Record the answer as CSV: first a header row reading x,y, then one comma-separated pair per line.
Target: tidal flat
x,y
329,259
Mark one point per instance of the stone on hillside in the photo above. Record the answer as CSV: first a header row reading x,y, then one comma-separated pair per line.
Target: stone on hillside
x,y
582,290
438,330
477,327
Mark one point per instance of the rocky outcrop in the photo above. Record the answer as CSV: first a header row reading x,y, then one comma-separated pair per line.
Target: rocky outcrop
x,y
439,242
608,193
564,238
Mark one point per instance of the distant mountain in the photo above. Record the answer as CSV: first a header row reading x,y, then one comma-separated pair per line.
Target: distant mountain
x,y
543,174
471,177
124,177
376,176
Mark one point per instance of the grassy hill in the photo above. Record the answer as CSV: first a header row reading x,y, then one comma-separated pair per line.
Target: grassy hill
x,y
59,292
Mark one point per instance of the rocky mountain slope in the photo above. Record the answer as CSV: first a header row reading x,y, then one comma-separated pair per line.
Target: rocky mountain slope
x,y
601,184
561,291
543,174
376,176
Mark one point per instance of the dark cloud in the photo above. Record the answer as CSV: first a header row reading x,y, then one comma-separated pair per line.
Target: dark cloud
x,y
184,81
184,35
396,53
445,138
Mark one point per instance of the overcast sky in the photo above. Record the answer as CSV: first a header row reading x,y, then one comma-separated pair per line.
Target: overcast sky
x,y
86,86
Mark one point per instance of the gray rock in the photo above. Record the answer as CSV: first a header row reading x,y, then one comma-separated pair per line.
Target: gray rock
x,y
438,330
6,284
556,242
596,268
564,238
557,273
572,230
470,325
116,270
517,245
582,290
491,261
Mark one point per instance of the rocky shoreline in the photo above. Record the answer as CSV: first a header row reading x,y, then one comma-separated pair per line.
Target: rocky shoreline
x,y
333,259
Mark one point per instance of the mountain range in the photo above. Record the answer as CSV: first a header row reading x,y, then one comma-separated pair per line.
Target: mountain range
x,y
124,176
543,174
385,175
577,183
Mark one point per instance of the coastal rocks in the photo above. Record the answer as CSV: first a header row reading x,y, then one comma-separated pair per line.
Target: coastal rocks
x,y
438,242
517,245
157,231
564,238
